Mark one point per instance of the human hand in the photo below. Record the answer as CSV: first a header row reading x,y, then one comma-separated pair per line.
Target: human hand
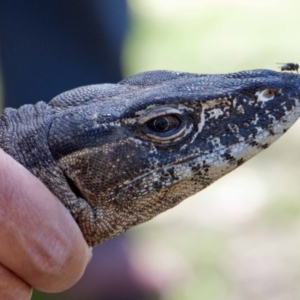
x,y
41,245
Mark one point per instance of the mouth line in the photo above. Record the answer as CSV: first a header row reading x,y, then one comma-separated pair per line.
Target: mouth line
x,y
182,161
194,156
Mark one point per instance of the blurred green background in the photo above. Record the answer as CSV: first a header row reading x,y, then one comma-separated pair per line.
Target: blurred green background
x,y
239,238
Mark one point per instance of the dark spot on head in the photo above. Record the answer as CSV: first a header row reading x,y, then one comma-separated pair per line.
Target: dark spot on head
x,y
206,167
264,146
231,159
240,161
196,168
171,171
253,143
157,185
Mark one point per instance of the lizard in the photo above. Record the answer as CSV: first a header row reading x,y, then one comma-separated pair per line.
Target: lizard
x,y
117,155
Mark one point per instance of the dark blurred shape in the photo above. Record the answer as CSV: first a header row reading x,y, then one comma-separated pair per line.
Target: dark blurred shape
x,y
51,46
46,48
112,275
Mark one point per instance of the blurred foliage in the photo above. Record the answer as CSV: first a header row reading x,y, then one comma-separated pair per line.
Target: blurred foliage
x,y
211,36
239,238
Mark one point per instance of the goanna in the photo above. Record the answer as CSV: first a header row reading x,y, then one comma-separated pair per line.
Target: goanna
x,y
117,155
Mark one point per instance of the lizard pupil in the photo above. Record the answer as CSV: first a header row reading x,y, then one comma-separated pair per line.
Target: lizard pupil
x,y
163,124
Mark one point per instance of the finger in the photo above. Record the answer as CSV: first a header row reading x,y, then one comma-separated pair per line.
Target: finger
x,y
40,241
13,287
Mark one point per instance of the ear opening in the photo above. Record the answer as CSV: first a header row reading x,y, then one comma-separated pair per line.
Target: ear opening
x,y
74,188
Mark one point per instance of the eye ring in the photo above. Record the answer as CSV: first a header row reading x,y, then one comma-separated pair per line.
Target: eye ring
x,y
164,124
165,128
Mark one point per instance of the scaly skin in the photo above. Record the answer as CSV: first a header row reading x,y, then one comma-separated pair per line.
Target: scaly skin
x,y
119,154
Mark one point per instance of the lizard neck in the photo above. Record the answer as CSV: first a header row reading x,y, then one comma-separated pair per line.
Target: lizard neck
x,y
24,129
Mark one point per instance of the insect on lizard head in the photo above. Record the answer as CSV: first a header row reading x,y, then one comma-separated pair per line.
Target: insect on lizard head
x,y
168,135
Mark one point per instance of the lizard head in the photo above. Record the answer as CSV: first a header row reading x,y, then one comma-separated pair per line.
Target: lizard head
x,y
140,147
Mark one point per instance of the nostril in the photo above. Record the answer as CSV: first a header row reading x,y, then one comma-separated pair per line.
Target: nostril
x,y
266,95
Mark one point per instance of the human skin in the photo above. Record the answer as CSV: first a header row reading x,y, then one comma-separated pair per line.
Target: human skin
x,y
41,245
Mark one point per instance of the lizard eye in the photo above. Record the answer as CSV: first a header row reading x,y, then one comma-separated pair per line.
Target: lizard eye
x,y
164,124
